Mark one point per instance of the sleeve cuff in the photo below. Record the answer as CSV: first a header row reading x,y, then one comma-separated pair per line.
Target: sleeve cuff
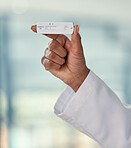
x,y
67,96
63,100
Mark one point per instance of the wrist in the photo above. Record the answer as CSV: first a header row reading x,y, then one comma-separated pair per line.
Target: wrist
x,y
75,85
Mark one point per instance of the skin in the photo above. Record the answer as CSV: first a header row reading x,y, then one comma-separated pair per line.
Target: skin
x,y
66,59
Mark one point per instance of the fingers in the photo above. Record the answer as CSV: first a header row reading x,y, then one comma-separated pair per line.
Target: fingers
x,y
62,39
52,56
49,65
51,60
57,48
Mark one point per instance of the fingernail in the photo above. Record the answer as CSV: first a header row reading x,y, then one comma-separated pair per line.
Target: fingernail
x,y
45,61
74,29
47,52
49,43
77,29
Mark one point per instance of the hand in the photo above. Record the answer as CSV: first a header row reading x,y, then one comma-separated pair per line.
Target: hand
x,y
64,58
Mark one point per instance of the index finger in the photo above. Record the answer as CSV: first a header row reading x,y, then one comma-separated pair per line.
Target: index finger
x,y
59,37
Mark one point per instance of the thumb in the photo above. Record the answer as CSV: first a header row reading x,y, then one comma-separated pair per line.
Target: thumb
x,y
76,40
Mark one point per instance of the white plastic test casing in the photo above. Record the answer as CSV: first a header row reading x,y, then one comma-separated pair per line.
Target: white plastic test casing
x,y
55,27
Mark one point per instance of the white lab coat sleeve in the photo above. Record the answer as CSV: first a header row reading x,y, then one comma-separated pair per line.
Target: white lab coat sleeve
x,y
97,112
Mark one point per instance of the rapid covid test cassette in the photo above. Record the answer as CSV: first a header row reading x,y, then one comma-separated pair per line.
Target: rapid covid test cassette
x,y
55,27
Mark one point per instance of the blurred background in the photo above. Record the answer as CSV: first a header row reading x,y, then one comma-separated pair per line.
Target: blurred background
x,y
28,93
